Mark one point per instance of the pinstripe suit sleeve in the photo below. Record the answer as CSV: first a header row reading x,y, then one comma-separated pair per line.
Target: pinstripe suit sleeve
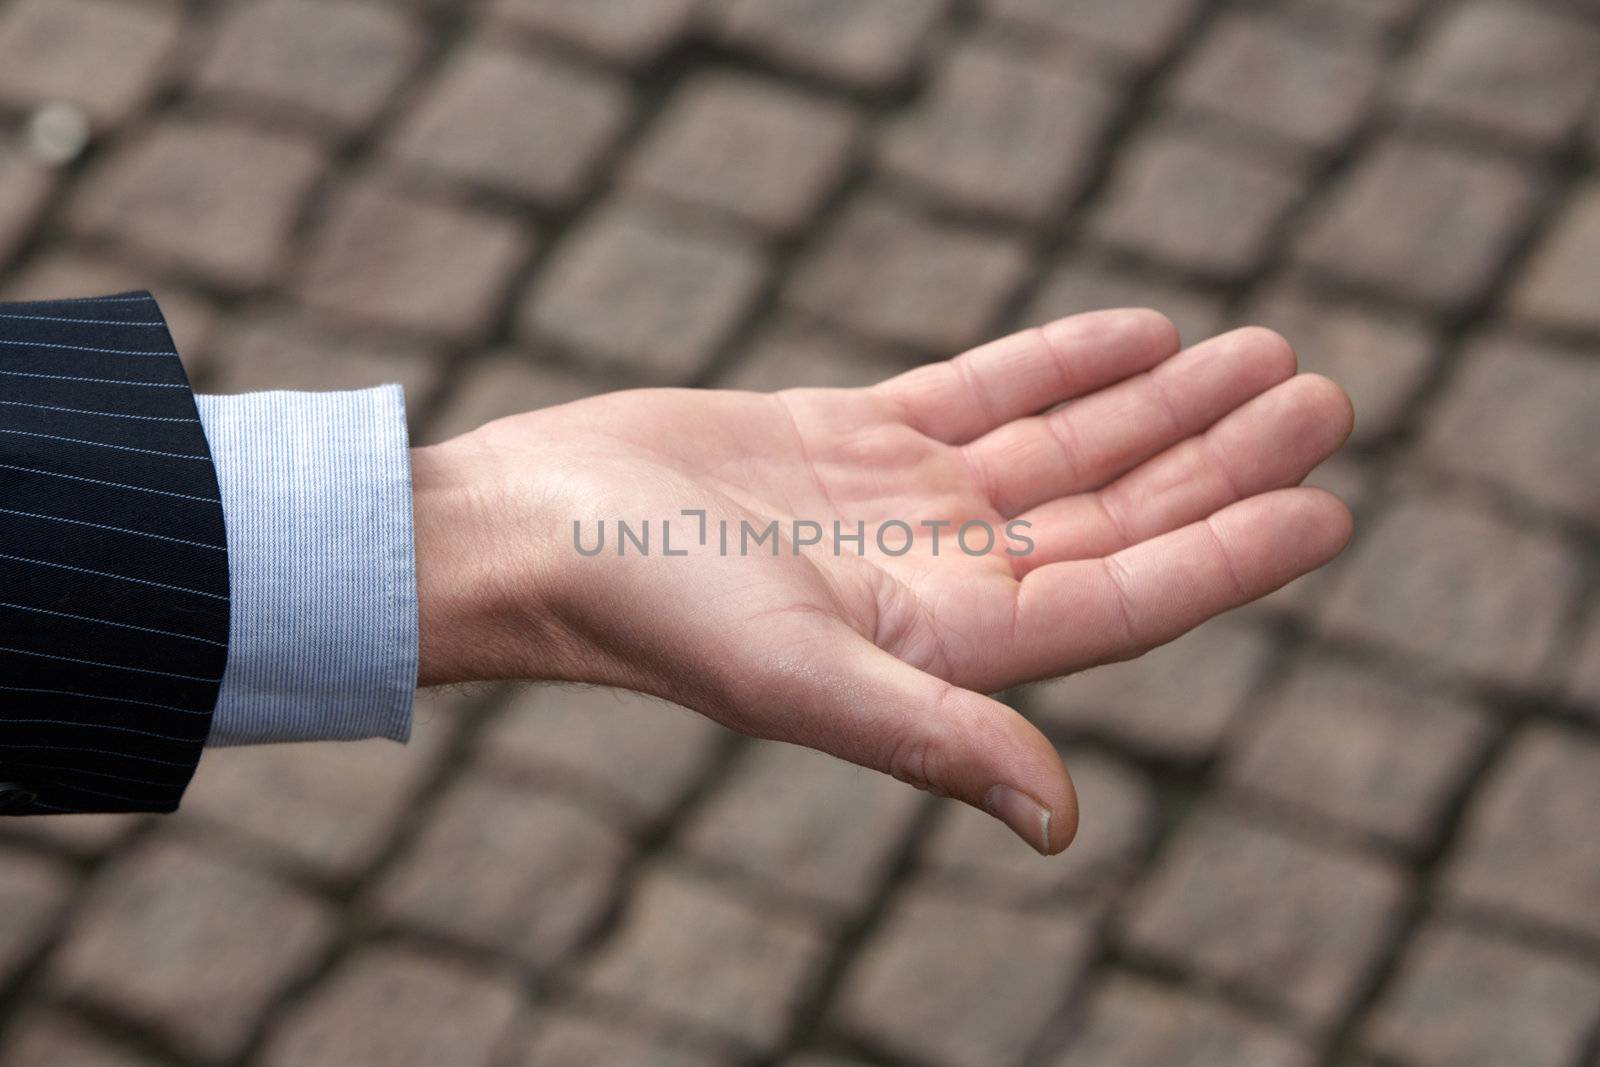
x,y
114,576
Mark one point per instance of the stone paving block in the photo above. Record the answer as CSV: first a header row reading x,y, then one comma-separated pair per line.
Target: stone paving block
x,y
642,288
398,1007
63,271
629,32
1001,131
1538,406
805,824
1446,579
206,196
967,852
1140,31
103,56
24,186
284,349
51,1037
1289,922
1380,359
793,351
212,944
505,869
1585,677
863,44
1090,283
1176,701
1528,847
1561,279
412,263
1422,221
1508,68
1262,70
747,147
1386,16
495,118
902,278
504,382
1194,203
1366,751
640,753
568,1040
1134,1022
328,808
688,953
337,61
1462,999
34,889
954,984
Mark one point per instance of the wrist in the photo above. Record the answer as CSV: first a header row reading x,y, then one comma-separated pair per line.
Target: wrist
x,y
481,613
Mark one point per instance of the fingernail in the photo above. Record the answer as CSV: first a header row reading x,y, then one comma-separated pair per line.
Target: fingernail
x,y
1027,818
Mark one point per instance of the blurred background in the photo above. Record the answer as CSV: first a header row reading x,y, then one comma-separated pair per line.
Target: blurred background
x,y
1353,825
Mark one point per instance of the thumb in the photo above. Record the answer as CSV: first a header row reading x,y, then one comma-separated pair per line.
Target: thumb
x,y
879,712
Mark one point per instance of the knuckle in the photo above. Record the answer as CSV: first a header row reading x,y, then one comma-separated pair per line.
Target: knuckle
x,y
915,761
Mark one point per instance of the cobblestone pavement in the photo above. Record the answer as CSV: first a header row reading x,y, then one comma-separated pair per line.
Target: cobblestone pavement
x,y
1352,825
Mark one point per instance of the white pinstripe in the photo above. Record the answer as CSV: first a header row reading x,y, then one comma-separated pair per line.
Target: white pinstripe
x,y
103,444
95,752
119,625
114,485
118,577
83,322
142,297
101,774
94,381
103,726
100,696
114,529
91,411
100,792
87,348
109,666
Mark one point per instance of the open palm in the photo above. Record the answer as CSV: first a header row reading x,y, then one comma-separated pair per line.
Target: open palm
x,y
1154,485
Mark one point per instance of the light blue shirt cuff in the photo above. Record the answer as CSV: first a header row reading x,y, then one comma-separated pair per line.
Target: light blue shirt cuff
x,y
316,496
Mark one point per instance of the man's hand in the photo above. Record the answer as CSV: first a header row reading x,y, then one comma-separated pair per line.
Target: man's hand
x,y
1156,484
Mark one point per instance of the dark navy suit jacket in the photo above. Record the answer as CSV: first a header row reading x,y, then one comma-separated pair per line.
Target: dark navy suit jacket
x,y
113,561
